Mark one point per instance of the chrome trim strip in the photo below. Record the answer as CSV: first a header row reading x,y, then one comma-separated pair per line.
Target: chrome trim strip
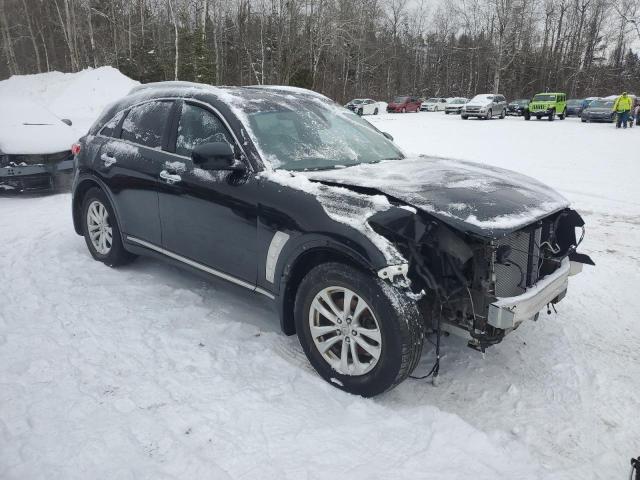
x,y
199,266
275,248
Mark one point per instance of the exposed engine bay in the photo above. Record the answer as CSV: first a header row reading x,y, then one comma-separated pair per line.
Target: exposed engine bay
x,y
481,287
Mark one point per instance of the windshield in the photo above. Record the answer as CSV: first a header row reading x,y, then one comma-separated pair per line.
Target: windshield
x,y
357,101
574,102
522,101
312,136
400,99
601,104
432,100
544,98
458,100
482,98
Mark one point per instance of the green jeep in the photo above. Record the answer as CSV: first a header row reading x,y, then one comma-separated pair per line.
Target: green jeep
x,y
547,105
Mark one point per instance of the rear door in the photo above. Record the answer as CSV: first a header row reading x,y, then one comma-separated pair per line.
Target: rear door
x,y
209,217
130,162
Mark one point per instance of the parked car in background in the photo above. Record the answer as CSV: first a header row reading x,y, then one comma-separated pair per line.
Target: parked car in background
x,y
35,147
547,105
284,194
486,106
455,105
518,107
363,106
600,110
403,104
574,107
433,104
587,101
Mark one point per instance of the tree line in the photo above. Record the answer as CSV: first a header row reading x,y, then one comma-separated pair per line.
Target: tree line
x,y
342,48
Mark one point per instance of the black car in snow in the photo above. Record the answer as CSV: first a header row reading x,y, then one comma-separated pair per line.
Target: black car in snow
x,y
517,107
575,107
286,194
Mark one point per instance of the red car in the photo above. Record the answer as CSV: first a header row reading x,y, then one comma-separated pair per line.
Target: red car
x,y
404,104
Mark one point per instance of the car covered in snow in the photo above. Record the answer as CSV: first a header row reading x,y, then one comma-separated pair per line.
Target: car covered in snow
x,y
363,106
485,106
454,105
434,104
361,249
35,147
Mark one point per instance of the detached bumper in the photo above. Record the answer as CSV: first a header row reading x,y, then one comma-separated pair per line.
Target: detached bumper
x,y
34,177
509,312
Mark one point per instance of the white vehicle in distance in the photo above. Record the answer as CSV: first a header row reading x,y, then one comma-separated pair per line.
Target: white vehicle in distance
x,y
486,106
454,105
363,106
434,104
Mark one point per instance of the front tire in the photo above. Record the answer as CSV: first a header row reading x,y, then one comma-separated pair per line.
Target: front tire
x,y
358,332
502,115
101,230
360,112
489,115
375,112
563,115
552,116
404,110
464,117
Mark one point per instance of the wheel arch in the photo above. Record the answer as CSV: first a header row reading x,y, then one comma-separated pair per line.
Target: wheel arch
x,y
79,192
300,265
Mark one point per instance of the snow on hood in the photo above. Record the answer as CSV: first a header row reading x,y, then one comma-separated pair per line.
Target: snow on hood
x,y
468,196
28,128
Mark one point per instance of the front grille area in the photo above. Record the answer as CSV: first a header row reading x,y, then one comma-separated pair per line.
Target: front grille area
x,y
473,109
24,160
520,269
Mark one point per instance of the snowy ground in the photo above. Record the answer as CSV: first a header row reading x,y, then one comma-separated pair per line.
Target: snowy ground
x,y
150,372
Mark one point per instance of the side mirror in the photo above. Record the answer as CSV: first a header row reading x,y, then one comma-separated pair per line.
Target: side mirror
x,y
67,121
215,156
388,135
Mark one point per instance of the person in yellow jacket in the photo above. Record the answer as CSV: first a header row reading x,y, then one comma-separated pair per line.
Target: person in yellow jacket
x,y
622,107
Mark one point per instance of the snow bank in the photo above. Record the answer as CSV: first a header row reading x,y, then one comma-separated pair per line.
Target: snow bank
x,y
79,96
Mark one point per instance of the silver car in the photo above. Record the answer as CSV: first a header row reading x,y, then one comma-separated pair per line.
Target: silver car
x,y
486,106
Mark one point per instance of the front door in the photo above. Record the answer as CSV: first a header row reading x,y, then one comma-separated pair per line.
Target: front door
x,y
130,161
208,217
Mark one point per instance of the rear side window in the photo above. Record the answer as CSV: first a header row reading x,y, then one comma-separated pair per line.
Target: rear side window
x,y
198,126
110,127
145,124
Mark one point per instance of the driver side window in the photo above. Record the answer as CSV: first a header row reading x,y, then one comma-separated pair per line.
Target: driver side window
x,y
198,126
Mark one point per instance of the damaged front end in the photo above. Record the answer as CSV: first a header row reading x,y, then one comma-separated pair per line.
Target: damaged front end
x,y
482,287
19,173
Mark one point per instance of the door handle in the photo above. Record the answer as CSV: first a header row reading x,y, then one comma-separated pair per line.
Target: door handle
x,y
170,178
108,160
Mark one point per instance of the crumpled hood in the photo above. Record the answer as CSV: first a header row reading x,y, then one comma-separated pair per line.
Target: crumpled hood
x,y
469,197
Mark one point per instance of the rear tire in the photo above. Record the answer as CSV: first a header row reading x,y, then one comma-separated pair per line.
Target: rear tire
x,y
386,315
404,110
464,117
375,112
101,231
502,115
563,115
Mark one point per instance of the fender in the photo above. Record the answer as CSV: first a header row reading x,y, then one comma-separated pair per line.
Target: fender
x,y
299,257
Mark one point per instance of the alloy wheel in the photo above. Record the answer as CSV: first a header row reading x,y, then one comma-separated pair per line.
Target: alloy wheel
x,y
345,331
99,227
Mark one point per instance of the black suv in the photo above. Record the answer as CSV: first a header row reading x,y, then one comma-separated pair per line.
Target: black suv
x,y
286,194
